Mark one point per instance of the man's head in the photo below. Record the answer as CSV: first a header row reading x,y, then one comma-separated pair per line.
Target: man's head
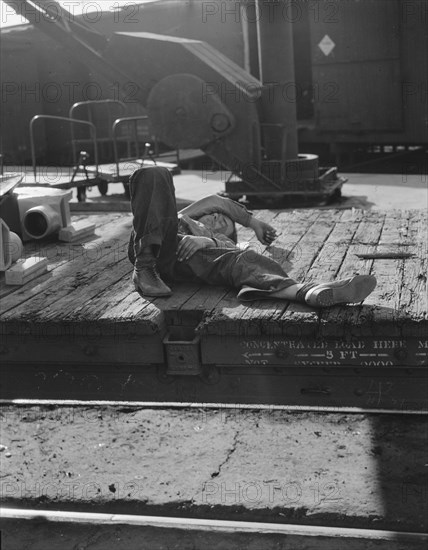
x,y
219,223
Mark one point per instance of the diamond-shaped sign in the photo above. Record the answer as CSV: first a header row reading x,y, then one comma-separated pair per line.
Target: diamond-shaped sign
x,y
326,45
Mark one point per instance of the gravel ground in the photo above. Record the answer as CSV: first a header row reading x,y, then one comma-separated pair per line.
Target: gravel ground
x,y
333,469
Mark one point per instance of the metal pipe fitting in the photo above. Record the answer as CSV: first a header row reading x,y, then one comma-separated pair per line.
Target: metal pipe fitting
x,y
41,221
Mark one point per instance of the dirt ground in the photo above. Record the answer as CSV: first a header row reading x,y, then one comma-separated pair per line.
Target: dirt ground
x,y
348,470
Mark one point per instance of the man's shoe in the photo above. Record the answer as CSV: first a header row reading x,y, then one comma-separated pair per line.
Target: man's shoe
x,y
147,282
345,291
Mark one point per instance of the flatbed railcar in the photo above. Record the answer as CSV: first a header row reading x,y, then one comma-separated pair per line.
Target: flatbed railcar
x,y
82,332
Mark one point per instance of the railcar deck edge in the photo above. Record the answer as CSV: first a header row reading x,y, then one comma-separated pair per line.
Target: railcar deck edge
x,y
82,332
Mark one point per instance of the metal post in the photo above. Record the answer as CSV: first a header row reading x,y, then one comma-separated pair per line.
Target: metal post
x,y
275,39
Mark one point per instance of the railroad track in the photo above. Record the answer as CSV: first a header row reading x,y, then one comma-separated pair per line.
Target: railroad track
x,y
203,405
295,388
64,530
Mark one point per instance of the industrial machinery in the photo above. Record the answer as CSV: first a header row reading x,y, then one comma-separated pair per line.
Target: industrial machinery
x,y
32,213
196,97
35,213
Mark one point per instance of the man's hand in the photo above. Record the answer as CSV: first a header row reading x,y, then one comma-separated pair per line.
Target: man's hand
x,y
190,244
265,233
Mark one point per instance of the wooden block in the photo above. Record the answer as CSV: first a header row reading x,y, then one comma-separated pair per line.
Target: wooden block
x,y
76,231
25,270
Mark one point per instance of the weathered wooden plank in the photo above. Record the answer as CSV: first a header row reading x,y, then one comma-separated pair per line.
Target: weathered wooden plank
x,y
71,333
301,315
413,296
68,275
55,251
59,253
382,314
182,292
105,273
119,304
370,227
312,241
326,264
332,252
389,273
205,298
338,321
65,332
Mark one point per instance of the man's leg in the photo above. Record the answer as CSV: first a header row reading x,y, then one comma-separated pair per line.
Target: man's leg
x,y
238,268
345,291
260,277
153,240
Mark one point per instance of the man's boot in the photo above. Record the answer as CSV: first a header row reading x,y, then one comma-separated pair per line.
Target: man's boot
x,y
146,278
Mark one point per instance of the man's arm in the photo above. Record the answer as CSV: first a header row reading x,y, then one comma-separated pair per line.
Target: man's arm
x,y
189,244
265,233
214,203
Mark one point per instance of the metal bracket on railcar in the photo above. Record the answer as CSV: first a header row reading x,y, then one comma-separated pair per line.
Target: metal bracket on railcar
x,y
182,356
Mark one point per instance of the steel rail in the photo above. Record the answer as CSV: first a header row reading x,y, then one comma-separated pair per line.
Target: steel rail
x,y
202,405
212,525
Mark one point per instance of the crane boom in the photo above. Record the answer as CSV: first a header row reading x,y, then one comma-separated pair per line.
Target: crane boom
x,y
184,84
81,41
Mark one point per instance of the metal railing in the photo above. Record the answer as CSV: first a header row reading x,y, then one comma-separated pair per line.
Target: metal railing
x,y
69,121
94,103
116,124
91,116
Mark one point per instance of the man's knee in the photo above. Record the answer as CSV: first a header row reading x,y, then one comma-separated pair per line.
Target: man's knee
x,y
248,256
149,178
149,174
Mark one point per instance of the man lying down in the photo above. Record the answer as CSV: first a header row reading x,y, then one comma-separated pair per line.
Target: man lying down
x,y
199,244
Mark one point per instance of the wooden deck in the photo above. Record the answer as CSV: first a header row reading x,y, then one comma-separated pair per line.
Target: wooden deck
x,y
73,328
